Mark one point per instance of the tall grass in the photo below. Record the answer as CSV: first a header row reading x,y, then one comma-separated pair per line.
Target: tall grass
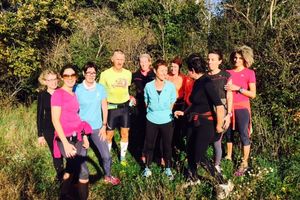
x,y
26,171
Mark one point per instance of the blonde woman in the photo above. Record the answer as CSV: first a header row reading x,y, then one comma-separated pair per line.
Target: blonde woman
x,y
243,87
48,79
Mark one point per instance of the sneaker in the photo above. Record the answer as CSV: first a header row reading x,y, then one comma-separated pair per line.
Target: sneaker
x,y
218,168
169,174
147,172
228,158
242,169
112,180
191,182
223,190
123,161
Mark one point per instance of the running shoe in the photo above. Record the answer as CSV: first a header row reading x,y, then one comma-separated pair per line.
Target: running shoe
x,y
191,182
147,172
218,168
242,169
169,174
223,190
112,180
123,162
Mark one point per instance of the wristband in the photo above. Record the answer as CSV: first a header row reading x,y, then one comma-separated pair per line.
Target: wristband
x,y
241,90
104,124
230,114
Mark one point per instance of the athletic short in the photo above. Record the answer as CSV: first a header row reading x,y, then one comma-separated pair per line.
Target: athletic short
x,y
118,117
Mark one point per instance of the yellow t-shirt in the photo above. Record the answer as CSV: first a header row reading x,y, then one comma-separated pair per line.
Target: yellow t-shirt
x,y
116,85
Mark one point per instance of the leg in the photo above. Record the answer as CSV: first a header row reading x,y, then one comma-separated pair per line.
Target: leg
x,y
205,134
57,162
125,124
229,143
150,138
167,135
83,173
103,150
218,149
243,120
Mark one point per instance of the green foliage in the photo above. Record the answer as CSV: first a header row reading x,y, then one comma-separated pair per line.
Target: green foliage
x,y
26,30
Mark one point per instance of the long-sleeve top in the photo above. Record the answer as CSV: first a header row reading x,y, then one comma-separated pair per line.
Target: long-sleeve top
x,y
159,109
44,123
204,96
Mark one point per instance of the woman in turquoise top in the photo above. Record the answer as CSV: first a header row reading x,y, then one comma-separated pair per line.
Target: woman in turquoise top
x,y
160,96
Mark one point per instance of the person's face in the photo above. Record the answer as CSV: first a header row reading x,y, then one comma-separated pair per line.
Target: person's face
x,y
51,81
118,60
161,72
238,60
90,75
174,69
213,61
69,77
191,74
145,64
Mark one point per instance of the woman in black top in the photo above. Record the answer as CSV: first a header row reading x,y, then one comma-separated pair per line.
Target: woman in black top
x,y
48,80
140,78
204,122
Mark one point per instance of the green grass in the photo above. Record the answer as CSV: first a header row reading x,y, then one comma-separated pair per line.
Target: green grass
x,y
26,171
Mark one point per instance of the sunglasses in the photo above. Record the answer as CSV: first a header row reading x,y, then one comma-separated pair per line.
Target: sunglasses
x,y
69,76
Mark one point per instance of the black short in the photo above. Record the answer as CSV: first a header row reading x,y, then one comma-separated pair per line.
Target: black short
x,y
118,118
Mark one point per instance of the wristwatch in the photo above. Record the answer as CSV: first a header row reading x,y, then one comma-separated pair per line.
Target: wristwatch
x,y
241,90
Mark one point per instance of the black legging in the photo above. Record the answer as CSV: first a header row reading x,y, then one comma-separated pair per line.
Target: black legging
x,y
57,162
198,140
166,131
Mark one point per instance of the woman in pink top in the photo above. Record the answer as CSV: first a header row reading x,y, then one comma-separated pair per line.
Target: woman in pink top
x,y
70,134
243,87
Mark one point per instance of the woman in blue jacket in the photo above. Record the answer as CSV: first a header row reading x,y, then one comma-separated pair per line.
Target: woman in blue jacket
x,y
160,96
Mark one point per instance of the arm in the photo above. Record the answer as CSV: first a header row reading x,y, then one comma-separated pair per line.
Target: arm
x,y
39,118
102,131
229,100
220,118
251,93
70,150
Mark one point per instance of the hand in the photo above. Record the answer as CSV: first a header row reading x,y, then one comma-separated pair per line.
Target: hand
x,y
219,129
178,113
226,122
132,100
70,150
86,143
231,87
41,141
102,133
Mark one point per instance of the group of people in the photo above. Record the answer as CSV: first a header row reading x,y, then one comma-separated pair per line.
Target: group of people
x,y
202,106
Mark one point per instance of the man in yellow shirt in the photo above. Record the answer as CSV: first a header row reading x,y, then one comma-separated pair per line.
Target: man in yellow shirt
x,y
116,81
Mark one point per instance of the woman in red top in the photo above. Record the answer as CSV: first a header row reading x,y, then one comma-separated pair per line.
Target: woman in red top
x,y
180,82
243,88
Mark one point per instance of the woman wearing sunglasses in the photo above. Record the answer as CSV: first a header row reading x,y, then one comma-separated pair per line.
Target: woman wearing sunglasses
x,y
70,134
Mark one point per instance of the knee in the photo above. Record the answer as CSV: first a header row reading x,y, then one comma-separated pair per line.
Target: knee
x,y
83,180
66,176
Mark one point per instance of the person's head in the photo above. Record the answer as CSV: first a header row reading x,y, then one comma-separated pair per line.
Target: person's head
x,y
196,65
145,62
214,59
48,79
176,65
242,56
69,75
89,72
118,59
161,69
